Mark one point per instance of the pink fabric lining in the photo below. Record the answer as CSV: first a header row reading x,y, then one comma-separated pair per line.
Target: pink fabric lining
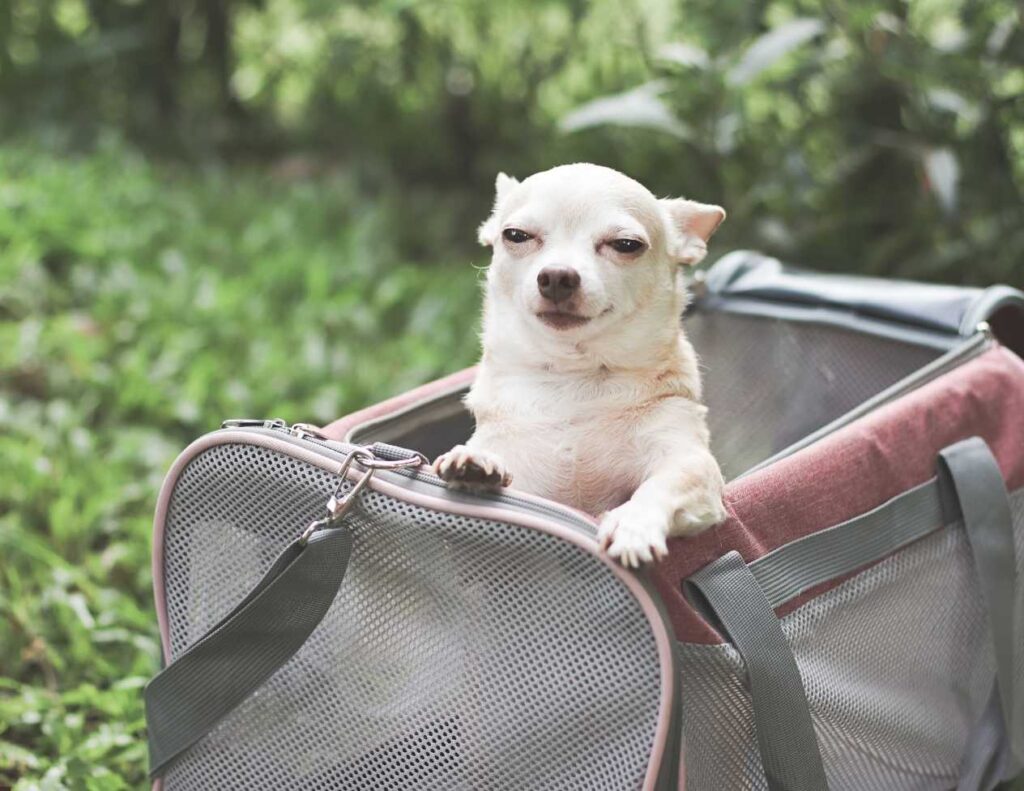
x,y
339,429
853,471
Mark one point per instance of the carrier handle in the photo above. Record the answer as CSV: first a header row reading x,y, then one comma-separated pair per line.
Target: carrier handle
x,y
191,695
782,718
980,492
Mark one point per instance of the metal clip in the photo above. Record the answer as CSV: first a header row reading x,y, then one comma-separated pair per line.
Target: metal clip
x,y
306,431
254,423
340,504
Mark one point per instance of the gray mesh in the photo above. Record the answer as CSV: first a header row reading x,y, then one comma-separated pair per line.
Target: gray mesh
x,y
459,653
787,378
897,665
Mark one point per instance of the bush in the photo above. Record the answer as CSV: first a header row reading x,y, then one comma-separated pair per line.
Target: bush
x,y
875,136
226,294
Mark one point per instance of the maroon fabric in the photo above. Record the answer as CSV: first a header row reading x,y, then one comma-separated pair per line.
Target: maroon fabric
x,y
853,471
339,429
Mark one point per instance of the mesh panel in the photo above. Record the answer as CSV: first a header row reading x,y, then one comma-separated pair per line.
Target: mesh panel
x,y
897,665
458,654
789,378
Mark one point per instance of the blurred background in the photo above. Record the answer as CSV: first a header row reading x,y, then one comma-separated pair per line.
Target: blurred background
x,y
261,208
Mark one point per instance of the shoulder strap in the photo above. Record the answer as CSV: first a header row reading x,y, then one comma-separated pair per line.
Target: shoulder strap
x,y
727,590
984,504
195,692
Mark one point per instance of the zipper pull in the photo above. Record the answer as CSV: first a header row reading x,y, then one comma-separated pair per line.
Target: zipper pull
x,y
254,423
305,431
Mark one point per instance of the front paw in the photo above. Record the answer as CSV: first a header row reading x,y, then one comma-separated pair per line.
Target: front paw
x,y
634,534
702,509
468,468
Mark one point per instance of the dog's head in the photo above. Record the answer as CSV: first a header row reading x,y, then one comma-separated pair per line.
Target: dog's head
x,y
584,254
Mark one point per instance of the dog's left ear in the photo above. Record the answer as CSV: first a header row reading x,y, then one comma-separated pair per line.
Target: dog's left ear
x,y
488,232
692,224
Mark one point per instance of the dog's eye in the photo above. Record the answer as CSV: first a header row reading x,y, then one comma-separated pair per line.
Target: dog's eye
x,y
626,245
516,236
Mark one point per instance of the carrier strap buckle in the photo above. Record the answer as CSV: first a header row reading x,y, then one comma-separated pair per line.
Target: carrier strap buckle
x,y
340,503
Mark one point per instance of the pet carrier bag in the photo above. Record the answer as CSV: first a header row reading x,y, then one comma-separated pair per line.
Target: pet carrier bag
x,y
333,617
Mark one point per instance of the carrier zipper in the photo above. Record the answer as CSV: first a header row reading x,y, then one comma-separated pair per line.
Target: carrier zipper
x,y
248,422
300,434
296,429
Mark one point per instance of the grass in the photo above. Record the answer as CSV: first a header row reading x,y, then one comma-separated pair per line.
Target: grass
x,y
139,306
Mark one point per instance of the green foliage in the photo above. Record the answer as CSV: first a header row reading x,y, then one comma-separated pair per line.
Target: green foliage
x,y
876,136
140,306
872,137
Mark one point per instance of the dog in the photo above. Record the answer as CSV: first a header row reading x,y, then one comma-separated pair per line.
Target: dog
x,y
588,392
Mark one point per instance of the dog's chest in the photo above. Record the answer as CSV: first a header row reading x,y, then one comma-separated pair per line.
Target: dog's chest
x,y
589,461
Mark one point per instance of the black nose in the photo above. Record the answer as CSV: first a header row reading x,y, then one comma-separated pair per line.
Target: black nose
x,y
558,284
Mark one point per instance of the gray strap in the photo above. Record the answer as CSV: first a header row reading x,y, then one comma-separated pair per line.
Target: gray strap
x,y
782,718
805,562
985,506
986,759
189,697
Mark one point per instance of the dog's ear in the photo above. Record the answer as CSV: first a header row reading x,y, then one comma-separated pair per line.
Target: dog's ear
x,y
488,232
692,224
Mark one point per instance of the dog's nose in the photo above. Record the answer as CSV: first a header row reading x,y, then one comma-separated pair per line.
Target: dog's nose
x,y
558,284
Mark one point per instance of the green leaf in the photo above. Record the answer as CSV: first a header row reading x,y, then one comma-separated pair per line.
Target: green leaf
x,y
640,107
14,757
771,47
683,54
943,173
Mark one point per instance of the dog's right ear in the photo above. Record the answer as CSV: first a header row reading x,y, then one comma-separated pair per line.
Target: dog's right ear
x,y
693,224
488,232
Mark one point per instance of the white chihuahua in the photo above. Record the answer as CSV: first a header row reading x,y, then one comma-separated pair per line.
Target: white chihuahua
x,y
588,392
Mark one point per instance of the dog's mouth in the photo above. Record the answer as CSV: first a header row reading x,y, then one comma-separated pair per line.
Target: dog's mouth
x,y
563,320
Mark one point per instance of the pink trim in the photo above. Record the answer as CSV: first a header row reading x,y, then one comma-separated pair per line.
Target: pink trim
x,y
341,428
586,543
544,502
681,778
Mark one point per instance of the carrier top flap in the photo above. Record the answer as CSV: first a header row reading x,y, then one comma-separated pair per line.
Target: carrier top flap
x,y
849,473
957,310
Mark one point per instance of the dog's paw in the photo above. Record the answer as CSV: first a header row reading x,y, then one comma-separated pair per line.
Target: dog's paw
x,y
703,509
634,534
472,468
